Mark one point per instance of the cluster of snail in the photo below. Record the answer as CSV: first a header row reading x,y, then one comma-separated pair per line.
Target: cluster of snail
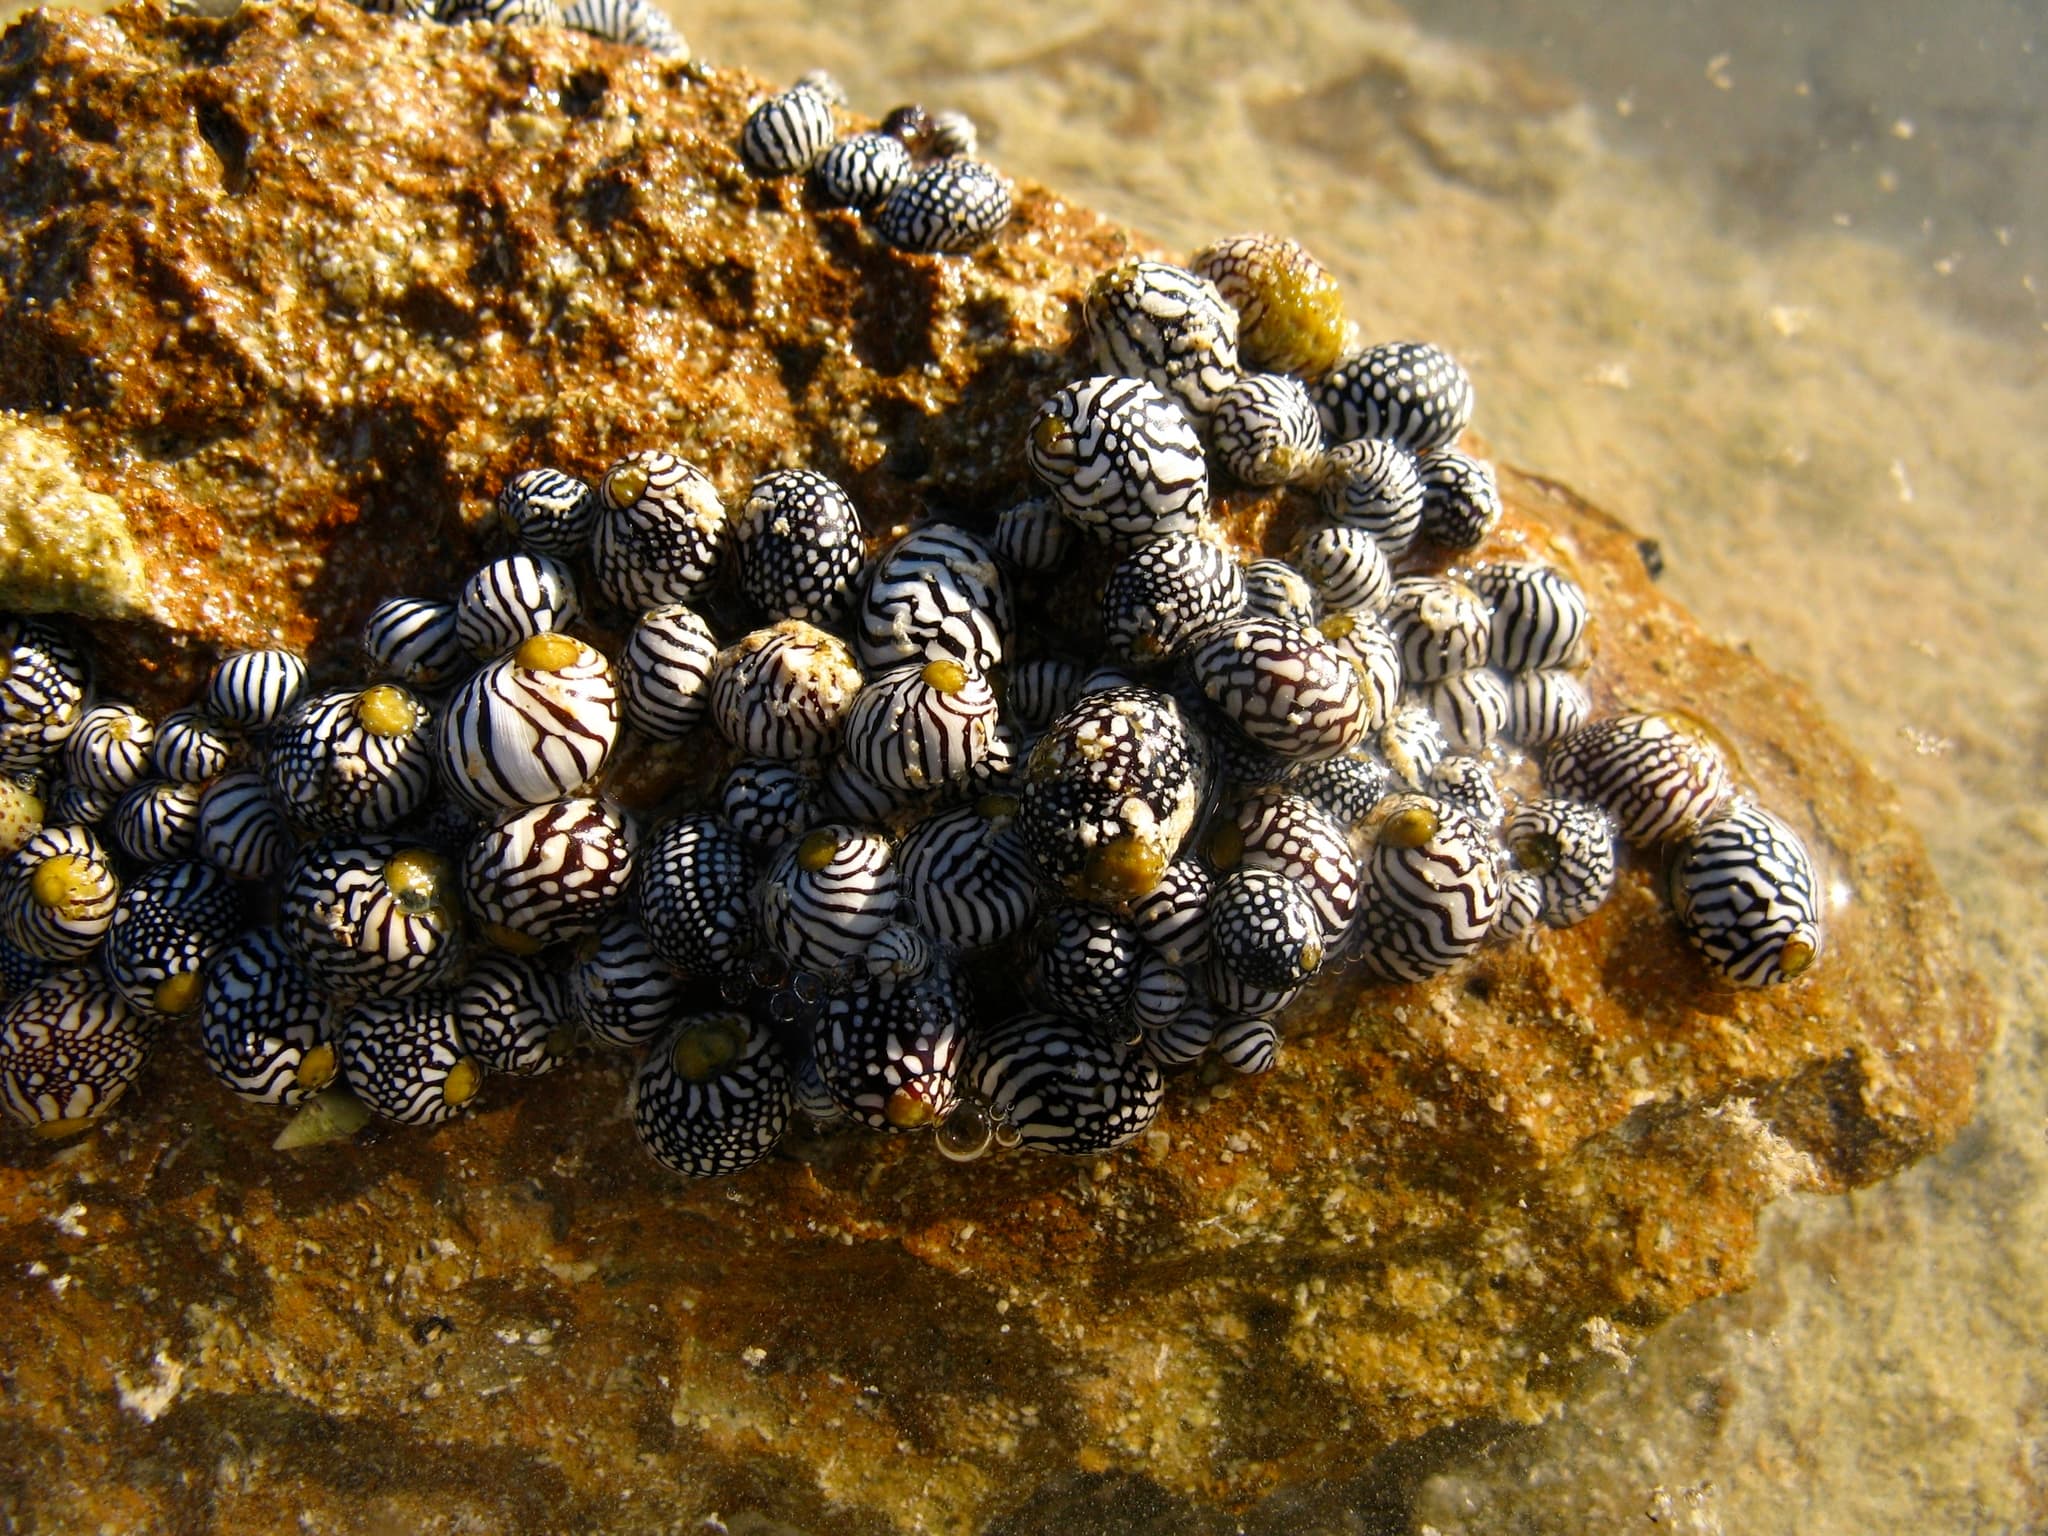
x,y
1165,819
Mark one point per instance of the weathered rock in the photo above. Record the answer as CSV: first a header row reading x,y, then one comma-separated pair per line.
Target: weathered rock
x,y
297,290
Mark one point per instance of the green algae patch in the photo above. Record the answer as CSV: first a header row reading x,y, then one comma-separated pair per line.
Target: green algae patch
x,y
64,547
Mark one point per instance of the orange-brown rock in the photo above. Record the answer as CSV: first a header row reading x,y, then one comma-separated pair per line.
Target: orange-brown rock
x,y
296,290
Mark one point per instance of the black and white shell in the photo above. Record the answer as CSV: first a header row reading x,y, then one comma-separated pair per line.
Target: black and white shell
x,y
1744,890
1151,320
1123,459
714,1097
949,206
1058,1086
267,1031
1407,392
936,595
660,535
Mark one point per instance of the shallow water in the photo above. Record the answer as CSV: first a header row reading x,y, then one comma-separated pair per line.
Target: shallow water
x,y
1769,282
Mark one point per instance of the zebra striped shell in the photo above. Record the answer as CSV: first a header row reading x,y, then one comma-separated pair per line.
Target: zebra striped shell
x,y
937,595
189,748
798,545
767,802
635,23
1376,487
1086,965
862,169
660,532
1057,1086
1122,458
713,1098
70,1046
414,640
1235,998
1249,1047
1472,707
1037,692
966,875
1346,787
696,880
1364,642
901,952
1279,591
1265,431
157,821
370,918
1173,917
619,988
1746,895
548,512
535,725
952,206
1264,929
1149,320
57,895
1546,706
167,925
68,804
1412,744
241,831
665,672
1658,775
1569,848
110,751
511,598
1111,793
827,896
1431,888
267,1032
1345,567
1183,1040
784,692
512,1015
1521,906
1461,501
406,1059
1290,311
890,1052
807,1088
253,690
501,13
1285,686
1162,595
1032,535
1407,392
787,133
1291,836
353,760
43,680
1466,782
546,873
918,728
1539,615
1159,991
1443,627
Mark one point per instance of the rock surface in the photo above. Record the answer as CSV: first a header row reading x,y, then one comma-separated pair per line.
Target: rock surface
x,y
296,290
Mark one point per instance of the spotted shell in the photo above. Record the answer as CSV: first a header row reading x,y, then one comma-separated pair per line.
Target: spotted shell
x,y
797,544
167,925
696,882
406,1059
1085,965
890,1051
1407,392
713,1098
1265,930
1164,594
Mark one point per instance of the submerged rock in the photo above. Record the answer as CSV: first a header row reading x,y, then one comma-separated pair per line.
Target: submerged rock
x,y
298,290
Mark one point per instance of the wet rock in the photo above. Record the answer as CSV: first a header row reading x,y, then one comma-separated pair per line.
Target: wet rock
x,y
297,290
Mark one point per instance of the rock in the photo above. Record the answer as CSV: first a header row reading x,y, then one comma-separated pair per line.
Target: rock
x,y
373,269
